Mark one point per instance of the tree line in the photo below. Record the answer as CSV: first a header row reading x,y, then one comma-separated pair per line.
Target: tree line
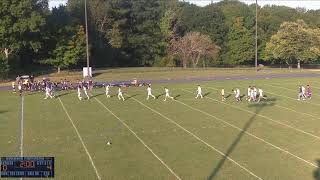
x,y
153,33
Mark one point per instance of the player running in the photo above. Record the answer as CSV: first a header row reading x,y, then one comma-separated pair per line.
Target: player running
x,y
261,95
79,87
120,96
199,92
237,94
107,90
222,95
149,91
85,87
48,89
308,92
167,95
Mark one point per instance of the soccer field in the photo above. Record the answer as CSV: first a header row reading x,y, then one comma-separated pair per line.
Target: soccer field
x,y
186,138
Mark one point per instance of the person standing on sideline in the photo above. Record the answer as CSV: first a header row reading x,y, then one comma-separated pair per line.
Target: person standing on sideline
x,y
79,90
13,87
149,92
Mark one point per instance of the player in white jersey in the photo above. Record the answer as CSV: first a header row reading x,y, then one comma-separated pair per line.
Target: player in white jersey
x,y
107,90
85,87
167,95
120,96
79,90
303,91
222,95
249,94
48,90
20,88
199,92
237,94
255,93
261,95
13,87
149,92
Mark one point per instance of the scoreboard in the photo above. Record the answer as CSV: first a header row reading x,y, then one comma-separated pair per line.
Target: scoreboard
x,y
27,167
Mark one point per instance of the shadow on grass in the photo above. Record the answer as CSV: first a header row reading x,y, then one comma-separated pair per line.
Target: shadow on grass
x,y
157,97
132,96
258,107
206,94
176,96
97,95
228,96
316,172
3,111
96,74
63,94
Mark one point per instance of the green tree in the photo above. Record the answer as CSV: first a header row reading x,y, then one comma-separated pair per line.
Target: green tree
x,y
294,42
239,48
69,50
20,28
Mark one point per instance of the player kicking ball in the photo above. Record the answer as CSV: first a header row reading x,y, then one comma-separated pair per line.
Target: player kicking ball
x,y
107,90
167,95
120,96
199,92
149,92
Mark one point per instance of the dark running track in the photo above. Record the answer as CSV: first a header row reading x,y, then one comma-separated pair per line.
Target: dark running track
x,y
217,78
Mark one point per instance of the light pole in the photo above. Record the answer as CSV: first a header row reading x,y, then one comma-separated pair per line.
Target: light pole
x,y
256,38
87,39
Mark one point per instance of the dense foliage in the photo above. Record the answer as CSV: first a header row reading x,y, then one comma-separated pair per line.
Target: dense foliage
x,y
140,33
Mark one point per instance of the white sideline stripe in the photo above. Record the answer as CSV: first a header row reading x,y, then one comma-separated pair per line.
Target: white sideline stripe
x,y
252,135
265,117
162,162
21,127
199,139
80,138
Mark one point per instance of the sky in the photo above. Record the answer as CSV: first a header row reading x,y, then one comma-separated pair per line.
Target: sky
x,y
308,4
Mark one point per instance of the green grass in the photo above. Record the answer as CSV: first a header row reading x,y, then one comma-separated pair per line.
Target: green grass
x,y
275,139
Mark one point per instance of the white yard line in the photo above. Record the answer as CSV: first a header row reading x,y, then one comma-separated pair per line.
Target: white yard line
x,y
145,145
265,117
81,140
252,135
198,138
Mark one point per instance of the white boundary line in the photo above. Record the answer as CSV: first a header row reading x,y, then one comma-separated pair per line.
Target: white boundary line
x,y
199,139
145,145
252,135
265,117
21,126
80,138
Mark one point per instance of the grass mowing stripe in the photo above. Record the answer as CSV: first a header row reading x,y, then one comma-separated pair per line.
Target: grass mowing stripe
x,y
80,138
138,138
242,130
199,139
265,117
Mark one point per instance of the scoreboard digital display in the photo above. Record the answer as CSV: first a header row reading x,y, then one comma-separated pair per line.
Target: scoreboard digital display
x,y
27,167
